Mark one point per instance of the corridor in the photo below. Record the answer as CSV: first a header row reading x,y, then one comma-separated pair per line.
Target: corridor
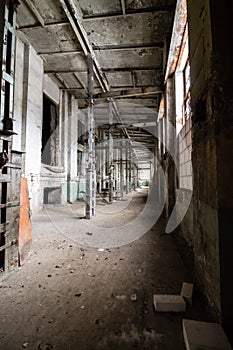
x,y
116,196
70,296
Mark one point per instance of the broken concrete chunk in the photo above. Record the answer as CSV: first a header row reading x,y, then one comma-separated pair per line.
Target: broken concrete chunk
x,y
187,292
169,303
204,335
133,297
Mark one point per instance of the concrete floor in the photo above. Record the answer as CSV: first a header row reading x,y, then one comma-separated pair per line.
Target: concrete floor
x,y
69,295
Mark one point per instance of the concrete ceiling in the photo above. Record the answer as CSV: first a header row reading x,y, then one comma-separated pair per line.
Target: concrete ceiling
x,y
127,38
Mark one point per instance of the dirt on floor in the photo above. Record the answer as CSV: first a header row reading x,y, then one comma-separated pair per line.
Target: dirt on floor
x,y
72,294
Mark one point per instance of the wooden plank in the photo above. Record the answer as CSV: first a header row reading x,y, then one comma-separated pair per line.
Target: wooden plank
x,y
13,166
4,227
9,205
5,178
8,245
8,77
5,138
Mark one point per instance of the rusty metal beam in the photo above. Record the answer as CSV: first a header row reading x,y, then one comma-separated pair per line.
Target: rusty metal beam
x,y
35,12
130,12
115,47
60,52
177,37
103,48
51,71
129,92
74,14
131,69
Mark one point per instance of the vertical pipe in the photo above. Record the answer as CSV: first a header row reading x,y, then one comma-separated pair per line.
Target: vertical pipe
x,y
170,143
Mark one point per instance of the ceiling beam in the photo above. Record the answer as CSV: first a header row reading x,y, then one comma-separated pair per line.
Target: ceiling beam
x,y
130,13
51,71
131,69
59,52
35,12
74,14
79,80
129,92
114,47
59,78
123,7
179,25
36,26
103,48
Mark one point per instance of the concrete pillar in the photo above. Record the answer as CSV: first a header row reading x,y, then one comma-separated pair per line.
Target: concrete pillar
x,y
221,17
170,144
127,168
72,185
130,170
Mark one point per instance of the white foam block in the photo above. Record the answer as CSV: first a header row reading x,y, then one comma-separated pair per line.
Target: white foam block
x,y
187,292
204,336
169,303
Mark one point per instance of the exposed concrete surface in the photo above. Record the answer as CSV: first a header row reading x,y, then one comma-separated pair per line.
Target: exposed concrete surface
x,y
72,296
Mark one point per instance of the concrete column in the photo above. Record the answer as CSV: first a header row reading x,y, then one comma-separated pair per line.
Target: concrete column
x,y
103,162
170,144
130,169
127,168
72,185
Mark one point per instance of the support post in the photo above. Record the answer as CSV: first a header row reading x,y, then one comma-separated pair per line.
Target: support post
x,y
127,168
110,154
170,142
91,172
121,170
130,169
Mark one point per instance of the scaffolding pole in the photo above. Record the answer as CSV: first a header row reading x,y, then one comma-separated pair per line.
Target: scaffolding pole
x,y
91,171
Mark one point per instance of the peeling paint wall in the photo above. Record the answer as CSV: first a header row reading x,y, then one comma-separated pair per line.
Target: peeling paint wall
x,y
210,34
186,180
72,181
46,184
28,115
221,96
205,235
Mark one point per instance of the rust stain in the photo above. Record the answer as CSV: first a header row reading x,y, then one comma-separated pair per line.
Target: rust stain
x,y
25,226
